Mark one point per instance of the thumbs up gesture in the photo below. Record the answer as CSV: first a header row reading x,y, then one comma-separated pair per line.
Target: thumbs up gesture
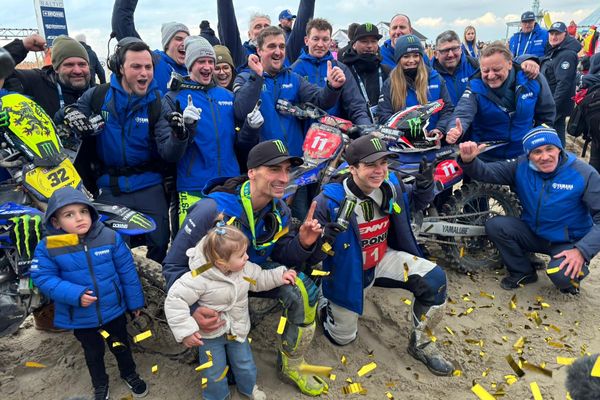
x,y
455,133
191,114
335,76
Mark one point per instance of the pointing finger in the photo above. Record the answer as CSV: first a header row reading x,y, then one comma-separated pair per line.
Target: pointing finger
x,y
190,102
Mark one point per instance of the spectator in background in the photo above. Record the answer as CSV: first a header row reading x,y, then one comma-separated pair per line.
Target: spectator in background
x,y
531,39
224,69
208,33
469,44
95,64
350,33
286,21
572,30
399,25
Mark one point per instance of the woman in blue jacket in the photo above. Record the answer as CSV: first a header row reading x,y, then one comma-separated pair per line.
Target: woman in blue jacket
x,y
411,83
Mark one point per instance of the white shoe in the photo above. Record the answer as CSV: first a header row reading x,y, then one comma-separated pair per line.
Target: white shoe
x,y
258,394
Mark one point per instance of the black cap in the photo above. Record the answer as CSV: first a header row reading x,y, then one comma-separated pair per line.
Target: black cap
x,y
558,27
271,152
366,30
527,16
367,149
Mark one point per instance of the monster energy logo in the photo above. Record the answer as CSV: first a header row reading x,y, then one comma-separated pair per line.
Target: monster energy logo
x,y
414,124
4,119
22,231
410,38
46,148
369,26
368,210
104,115
140,220
280,146
377,144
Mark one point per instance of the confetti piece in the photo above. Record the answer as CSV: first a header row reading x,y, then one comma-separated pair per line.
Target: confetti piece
x,y
519,343
405,272
557,345
232,337
489,296
204,366
450,331
33,364
344,360
201,269
535,390
556,328
462,252
128,397
154,369
457,372
204,383
510,379
223,374
596,370
332,377
142,336
250,280
365,369
319,370
485,373
430,335
230,221
117,344
513,303
537,368
482,393
565,360
317,272
407,302
546,305
327,249
514,366
104,334
354,388
505,338
281,326
569,396
389,395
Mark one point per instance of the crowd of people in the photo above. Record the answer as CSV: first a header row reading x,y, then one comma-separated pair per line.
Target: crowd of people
x,y
209,160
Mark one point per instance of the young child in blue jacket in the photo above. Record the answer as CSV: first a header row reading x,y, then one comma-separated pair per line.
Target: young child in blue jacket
x,y
88,271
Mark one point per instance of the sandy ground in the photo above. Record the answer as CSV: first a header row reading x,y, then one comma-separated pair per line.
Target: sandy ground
x,y
477,333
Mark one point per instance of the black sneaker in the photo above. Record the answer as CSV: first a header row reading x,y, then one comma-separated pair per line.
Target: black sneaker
x,y
137,386
101,393
572,290
514,282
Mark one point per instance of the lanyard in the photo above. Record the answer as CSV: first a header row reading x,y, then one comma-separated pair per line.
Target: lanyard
x,y
247,205
61,99
363,89
526,46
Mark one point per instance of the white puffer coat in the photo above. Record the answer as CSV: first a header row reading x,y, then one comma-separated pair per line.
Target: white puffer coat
x,y
227,294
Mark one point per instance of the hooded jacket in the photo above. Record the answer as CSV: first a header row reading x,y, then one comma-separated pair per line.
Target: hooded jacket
x,y
165,65
225,294
222,195
350,105
210,151
562,206
65,267
559,66
126,142
456,82
533,43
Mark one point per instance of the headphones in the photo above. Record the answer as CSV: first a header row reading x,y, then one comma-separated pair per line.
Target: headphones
x,y
117,59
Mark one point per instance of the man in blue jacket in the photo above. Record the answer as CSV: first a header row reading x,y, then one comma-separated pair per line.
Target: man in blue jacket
x,y
230,33
377,247
172,56
254,204
312,65
560,196
129,147
531,39
269,80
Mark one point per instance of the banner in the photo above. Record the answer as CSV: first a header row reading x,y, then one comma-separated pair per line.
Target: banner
x,y
51,19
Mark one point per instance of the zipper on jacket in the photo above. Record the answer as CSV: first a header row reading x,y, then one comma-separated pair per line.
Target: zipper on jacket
x,y
119,297
537,211
212,112
281,125
96,291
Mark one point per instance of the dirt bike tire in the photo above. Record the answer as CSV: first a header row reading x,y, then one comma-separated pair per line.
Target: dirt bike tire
x,y
470,255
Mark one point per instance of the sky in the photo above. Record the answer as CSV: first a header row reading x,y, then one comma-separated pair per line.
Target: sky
x,y
92,17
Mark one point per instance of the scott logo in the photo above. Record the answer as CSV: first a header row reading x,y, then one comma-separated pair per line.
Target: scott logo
x,y
562,186
101,252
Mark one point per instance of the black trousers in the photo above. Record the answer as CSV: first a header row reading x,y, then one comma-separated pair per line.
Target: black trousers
x,y
93,347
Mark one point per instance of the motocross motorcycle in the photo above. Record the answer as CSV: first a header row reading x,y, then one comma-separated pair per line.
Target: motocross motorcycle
x,y
35,164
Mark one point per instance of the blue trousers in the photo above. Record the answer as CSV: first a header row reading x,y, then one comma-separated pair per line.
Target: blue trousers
x,y
515,241
241,363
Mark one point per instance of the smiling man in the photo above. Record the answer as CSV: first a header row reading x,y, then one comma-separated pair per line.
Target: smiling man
x,y
560,196
531,39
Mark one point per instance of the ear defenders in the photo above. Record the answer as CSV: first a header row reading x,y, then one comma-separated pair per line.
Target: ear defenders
x,y
117,59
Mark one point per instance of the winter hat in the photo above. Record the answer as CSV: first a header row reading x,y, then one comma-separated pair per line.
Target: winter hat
x,y
170,29
223,55
64,47
540,136
196,47
407,44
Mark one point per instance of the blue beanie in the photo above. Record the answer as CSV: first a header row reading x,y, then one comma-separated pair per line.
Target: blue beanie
x,y
407,44
540,136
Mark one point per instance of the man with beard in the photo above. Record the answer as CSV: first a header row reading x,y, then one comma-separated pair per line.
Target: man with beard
x,y
365,64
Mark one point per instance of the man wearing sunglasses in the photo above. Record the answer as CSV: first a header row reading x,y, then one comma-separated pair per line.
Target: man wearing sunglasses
x,y
253,203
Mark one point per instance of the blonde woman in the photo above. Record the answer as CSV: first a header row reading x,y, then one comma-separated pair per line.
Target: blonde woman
x,y
412,82
469,45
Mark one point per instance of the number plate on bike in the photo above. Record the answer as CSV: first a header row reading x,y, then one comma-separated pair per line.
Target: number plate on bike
x,y
45,181
321,141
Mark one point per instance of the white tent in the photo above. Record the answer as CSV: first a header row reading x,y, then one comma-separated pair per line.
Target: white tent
x,y
592,19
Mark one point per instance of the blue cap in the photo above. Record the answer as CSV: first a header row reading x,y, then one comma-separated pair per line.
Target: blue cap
x,y
407,44
558,27
540,136
527,16
286,14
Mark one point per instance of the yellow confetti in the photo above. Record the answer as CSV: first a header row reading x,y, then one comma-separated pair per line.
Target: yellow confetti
x,y
317,272
201,269
457,372
545,305
514,366
344,360
204,366
535,390
128,397
117,344
389,395
489,296
556,345
569,396
354,388
430,335
556,328
462,252
327,249
450,331
565,360
154,369
281,326
407,302
365,369
231,337
537,368
405,272
513,303
485,373
596,369
505,338
250,280
519,343
142,336
204,383
319,370
482,393
33,364
223,374
230,221
104,334
510,379
332,377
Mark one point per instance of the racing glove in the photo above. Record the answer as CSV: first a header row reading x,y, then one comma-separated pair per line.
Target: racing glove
x,y
78,122
255,119
424,179
191,114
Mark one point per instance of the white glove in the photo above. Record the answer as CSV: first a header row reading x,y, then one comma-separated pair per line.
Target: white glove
x,y
191,114
255,118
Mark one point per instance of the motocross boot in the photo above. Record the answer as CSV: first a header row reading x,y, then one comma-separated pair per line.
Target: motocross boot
x,y
421,346
290,369
43,319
